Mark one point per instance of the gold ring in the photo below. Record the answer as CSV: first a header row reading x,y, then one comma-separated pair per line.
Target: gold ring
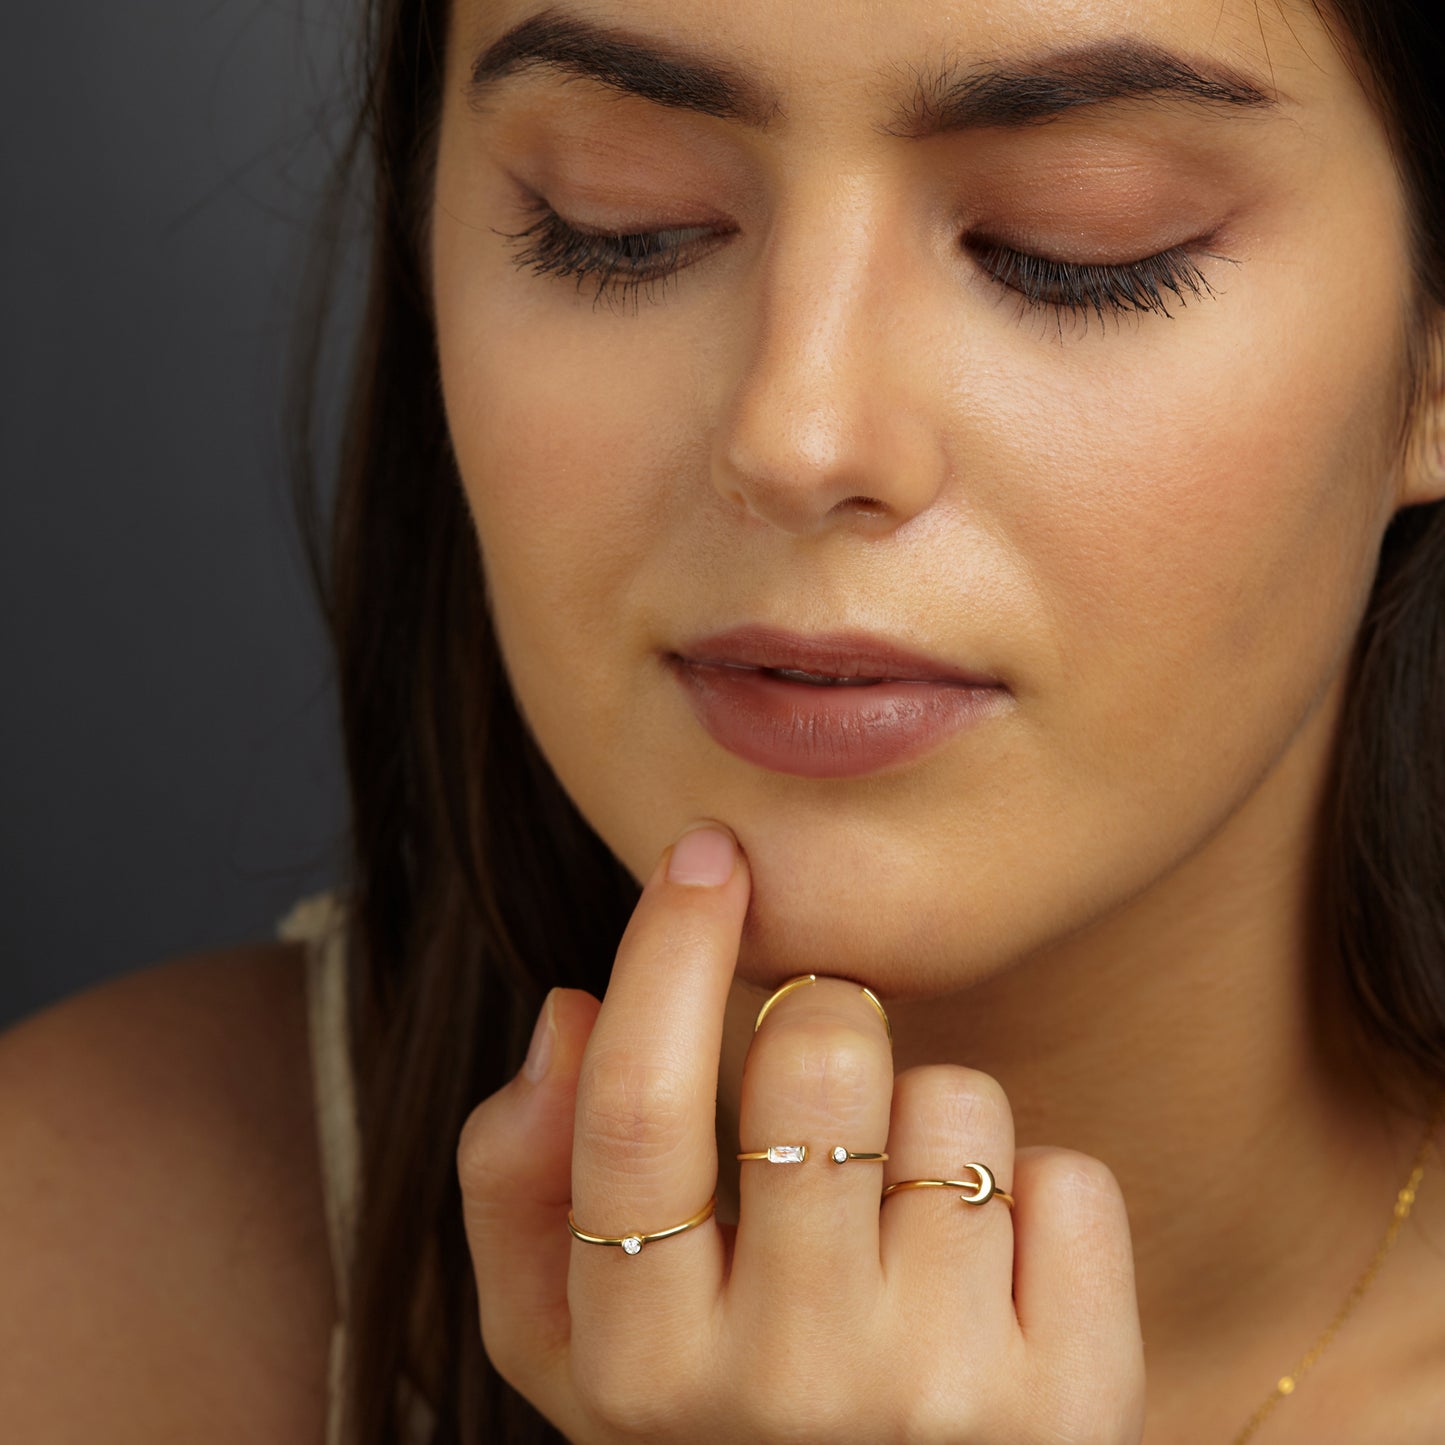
x,y
976,1193
778,1153
796,1153
632,1243
806,978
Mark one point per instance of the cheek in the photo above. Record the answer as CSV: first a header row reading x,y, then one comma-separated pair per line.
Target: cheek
x,y
570,457
1201,524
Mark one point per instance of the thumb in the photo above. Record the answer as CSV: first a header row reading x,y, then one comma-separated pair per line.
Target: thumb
x,y
514,1163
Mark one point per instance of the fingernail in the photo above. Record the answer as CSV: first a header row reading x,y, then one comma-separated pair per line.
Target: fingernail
x,y
703,856
539,1051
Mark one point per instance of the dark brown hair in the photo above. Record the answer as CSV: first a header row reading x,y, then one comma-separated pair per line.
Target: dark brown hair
x,y
474,885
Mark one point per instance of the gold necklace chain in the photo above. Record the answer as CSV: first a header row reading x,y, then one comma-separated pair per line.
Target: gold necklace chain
x,y
1287,1384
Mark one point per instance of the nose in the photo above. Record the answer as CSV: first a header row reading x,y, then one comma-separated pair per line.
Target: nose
x,y
829,424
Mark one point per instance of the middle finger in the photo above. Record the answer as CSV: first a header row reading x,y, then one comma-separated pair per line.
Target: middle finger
x,y
819,1072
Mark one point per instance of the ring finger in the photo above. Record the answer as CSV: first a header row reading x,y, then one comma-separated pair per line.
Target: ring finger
x,y
935,1246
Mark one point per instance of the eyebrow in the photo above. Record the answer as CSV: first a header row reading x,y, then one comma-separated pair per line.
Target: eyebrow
x,y
1008,94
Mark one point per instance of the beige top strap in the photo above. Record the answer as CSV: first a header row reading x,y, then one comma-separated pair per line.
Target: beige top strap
x,y
319,921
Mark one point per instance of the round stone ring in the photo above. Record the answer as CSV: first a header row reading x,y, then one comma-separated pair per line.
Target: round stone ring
x,y
632,1243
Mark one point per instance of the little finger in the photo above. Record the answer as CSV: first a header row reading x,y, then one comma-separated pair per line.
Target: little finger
x,y
1075,1294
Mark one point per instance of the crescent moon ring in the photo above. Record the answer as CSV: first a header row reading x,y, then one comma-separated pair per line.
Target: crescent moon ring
x,y
987,1185
979,1193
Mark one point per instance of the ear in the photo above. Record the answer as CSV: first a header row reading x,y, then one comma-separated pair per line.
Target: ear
x,y
1423,476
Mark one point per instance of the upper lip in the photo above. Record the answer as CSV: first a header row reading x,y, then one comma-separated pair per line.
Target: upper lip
x,y
848,652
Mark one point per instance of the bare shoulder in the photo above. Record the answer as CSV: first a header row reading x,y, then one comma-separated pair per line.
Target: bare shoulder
x,y
162,1231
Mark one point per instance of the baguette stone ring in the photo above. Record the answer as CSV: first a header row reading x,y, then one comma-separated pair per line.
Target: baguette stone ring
x,y
778,1153
973,1193
796,1153
632,1243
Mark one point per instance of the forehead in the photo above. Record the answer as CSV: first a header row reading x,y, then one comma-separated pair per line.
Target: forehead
x,y
766,63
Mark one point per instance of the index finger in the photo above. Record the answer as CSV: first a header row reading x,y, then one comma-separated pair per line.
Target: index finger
x,y
644,1155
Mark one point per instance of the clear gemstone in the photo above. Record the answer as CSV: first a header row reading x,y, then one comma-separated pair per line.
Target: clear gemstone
x,y
787,1153
840,1155
631,1245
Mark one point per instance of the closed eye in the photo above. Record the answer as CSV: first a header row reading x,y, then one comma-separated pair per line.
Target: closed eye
x,y
1079,286
640,263
621,263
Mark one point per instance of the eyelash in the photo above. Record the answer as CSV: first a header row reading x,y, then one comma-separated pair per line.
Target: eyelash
x,y
629,264
623,264
1075,288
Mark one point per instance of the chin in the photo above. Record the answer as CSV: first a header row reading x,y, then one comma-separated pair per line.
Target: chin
x,y
896,952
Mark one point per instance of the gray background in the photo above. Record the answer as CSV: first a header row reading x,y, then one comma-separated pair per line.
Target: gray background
x,y
169,765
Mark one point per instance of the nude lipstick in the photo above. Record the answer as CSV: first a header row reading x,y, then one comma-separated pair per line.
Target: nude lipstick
x,y
836,705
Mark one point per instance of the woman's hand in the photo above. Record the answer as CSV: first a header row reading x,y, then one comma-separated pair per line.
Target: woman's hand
x,y
823,1316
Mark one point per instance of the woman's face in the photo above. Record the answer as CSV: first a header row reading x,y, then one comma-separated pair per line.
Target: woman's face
x,y
850,406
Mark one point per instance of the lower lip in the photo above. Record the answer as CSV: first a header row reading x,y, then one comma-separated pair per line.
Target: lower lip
x,y
828,732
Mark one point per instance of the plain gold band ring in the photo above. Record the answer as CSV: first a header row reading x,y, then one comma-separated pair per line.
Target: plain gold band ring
x,y
975,1193
632,1243
806,978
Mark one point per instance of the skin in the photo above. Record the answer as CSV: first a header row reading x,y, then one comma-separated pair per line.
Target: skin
x,y
1159,531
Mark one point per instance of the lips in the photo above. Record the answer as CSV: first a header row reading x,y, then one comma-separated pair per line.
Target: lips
x,y
836,705
843,657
